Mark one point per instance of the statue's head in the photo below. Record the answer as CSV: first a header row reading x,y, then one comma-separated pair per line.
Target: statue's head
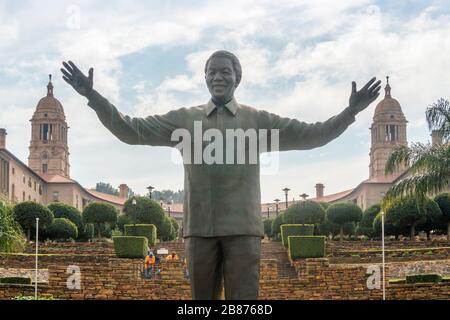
x,y
223,74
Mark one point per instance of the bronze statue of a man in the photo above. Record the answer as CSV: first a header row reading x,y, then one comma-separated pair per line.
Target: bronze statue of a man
x,y
222,206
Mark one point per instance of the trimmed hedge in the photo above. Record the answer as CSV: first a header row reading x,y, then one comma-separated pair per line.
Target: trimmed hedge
x,y
142,230
306,247
295,230
423,278
130,247
15,280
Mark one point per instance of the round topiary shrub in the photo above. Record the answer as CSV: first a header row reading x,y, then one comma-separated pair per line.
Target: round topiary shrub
x,y
62,210
365,227
166,231
443,201
276,226
268,227
100,214
304,212
62,229
343,213
405,213
26,213
145,211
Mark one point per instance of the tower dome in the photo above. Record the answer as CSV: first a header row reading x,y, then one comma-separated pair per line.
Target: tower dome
x,y
49,151
49,105
388,107
388,131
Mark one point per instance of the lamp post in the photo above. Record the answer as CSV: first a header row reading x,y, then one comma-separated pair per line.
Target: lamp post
x,y
304,196
382,194
168,208
286,191
150,189
36,266
276,205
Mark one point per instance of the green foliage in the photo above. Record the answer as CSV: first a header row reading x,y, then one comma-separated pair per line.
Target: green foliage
x,y
168,195
405,213
122,220
62,229
61,210
142,230
175,224
15,280
423,278
130,247
433,217
306,247
88,231
295,230
11,235
268,227
145,211
276,225
100,214
344,212
304,212
26,213
389,228
443,201
165,231
106,188
324,205
365,227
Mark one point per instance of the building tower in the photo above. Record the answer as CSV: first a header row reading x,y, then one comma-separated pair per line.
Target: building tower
x,y
388,131
49,153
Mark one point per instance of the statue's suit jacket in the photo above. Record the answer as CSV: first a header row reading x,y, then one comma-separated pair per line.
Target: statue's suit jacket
x,y
220,199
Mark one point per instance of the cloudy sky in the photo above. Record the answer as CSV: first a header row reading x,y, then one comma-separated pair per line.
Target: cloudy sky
x,y
299,58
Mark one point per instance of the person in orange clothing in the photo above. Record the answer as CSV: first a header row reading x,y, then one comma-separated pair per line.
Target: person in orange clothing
x,y
149,264
172,257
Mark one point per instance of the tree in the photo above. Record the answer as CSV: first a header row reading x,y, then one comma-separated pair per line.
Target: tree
x,y
268,227
276,225
175,225
106,188
168,195
122,220
433,217
61,210
100,214
343,213
389,228
11,235
26,213
406,213
428,164
365,227
443,201
145,211
62,229
304,212
165,230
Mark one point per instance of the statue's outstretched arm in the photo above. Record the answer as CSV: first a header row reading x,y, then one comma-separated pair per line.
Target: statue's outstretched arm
x,y
153,130
298,135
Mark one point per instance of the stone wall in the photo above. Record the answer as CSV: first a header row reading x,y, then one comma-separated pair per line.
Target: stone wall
x,y
317,279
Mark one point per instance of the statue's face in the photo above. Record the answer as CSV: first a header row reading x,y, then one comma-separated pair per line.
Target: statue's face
x,y
221,79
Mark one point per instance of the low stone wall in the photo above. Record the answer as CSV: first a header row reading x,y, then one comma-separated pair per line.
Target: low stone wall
x,y
317,279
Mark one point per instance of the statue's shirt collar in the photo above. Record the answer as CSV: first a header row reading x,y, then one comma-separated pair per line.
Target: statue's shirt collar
x,y
232,106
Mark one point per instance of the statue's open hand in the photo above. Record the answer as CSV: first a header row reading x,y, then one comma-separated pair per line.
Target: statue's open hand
x,y
360,100
73,76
